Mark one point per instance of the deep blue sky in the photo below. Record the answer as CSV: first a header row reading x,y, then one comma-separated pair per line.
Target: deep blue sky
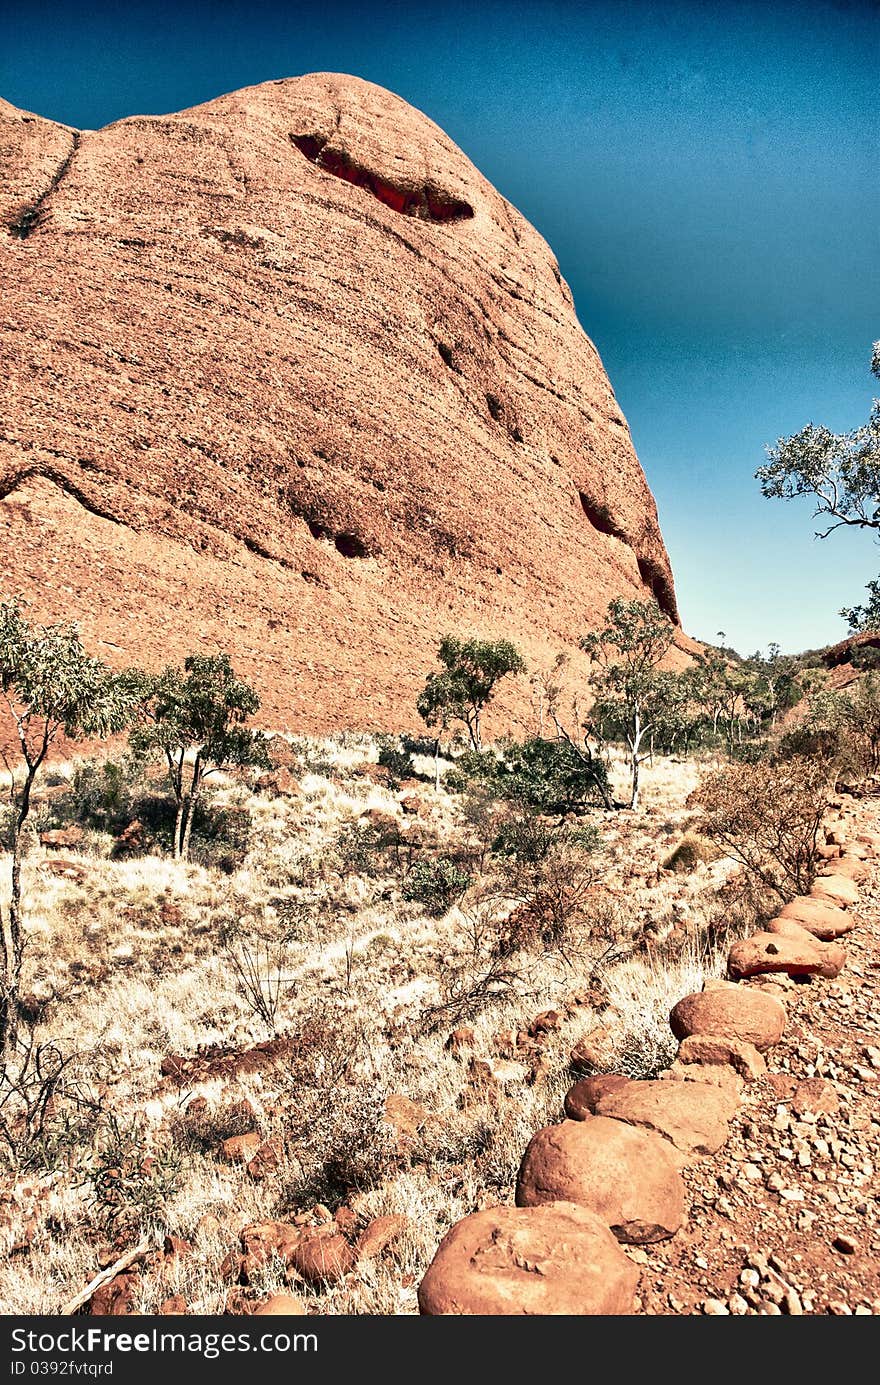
x,y
706,173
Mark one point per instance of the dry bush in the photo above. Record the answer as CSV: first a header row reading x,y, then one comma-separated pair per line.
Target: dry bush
x,y
641,994
767,816
46,1106
691,852
333,1129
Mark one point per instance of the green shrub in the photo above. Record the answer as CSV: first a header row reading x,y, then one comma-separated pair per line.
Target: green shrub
x,y
435,884
528,838
127,1181
549,776
396,758
358,849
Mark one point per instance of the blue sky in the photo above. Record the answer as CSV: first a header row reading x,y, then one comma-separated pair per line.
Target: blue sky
x,y
706,173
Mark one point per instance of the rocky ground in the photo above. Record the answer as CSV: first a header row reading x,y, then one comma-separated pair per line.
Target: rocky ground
x,y
785,1218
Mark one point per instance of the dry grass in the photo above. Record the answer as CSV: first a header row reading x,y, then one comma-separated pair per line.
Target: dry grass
x,y
125,966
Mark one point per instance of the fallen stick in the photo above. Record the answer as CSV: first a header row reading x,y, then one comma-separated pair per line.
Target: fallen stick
x,y
104,1278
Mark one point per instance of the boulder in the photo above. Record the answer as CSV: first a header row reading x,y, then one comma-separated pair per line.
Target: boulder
x,y
323,1259
174,1307
850,867
714,1075
117,1298
552,1260
262,1242
381,1233
693,1116
460,1039
595,1050
817,1095
790,928
730,1012
628,1177
285,485
580,1100
764,953
240,1149
711,1050
407,1119
544,1023
824,921
836,888
828,853
281,1305
62,838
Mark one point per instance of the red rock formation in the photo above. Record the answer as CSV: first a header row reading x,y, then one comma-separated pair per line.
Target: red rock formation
x,y
284,375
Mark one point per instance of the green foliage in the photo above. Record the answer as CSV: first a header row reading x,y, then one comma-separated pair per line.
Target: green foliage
x,y
866,616
103,794
471,672
358,848
551,776
396,758
195,718
126,1181
843,729
528,838
436,884
839,471
630,694
50,686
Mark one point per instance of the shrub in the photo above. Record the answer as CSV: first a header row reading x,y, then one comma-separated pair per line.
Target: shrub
x,y
333,1126
767,816
358,849
46,1108
102,794
690,852
551,776
127,1181
436,884
845,728
397,759
528,838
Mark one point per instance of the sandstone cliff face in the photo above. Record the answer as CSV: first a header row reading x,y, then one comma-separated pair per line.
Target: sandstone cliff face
x,y
284,375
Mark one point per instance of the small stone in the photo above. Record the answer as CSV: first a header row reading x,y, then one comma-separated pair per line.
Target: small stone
x,y
714,1308
239,1149
281,1305
845,1244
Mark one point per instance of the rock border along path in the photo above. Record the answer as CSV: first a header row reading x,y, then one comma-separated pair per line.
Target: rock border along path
x,y
725,1033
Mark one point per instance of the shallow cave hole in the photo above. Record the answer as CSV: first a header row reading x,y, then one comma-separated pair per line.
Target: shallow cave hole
x,y
446,354
428,203
350,546
656,581
600,517
316,530
494,406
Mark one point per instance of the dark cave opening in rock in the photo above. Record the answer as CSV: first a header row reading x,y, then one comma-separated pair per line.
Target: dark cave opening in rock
x,y
426,203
